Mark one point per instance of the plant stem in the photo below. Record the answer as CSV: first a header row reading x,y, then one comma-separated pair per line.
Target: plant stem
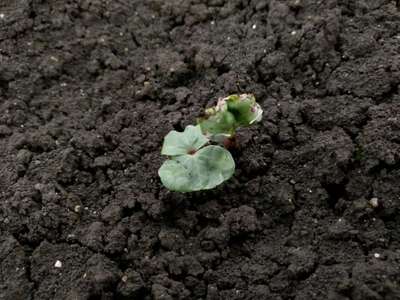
x,y
231,143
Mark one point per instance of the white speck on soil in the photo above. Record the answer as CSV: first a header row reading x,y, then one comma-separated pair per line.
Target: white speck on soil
x,y
254,26
38,186
77,208
293,32
374,202
2,16
377,255
58,264
212,22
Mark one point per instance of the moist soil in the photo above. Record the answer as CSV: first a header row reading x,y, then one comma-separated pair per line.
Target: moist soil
x,y
88,90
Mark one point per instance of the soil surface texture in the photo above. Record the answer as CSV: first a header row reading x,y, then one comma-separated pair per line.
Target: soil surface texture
x,y
88,90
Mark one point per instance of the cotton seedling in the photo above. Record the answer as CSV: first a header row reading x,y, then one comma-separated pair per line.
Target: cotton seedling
x,y
194,163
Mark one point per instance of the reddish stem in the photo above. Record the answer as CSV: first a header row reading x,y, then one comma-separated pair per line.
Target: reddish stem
x,y
231,143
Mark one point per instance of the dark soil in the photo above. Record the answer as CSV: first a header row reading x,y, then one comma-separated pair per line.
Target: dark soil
x,y
88,90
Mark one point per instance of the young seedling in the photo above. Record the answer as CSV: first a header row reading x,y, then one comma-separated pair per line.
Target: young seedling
x,y
193,163
193,166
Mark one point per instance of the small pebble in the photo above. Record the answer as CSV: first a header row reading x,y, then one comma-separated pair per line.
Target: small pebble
x,y
2,16
377,255
254,26
77,208
374,202
58,264
39,186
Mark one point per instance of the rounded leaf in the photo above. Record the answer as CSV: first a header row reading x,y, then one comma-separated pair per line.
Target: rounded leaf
x,y
179,143
205,169
174,176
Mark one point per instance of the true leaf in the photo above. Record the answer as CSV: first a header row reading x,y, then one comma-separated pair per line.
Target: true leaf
x,y
244,108
230,113
222,122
